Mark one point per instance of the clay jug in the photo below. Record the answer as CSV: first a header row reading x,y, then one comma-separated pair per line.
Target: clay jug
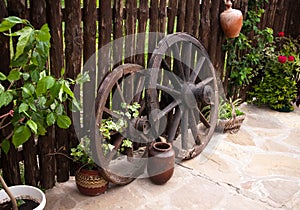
x,y
161,161
231,21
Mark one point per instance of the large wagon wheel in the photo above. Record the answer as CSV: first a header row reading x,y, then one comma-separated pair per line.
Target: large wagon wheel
x,y
121,85
183,93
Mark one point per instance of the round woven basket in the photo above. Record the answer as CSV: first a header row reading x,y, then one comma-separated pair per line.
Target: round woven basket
x,y
90,182
231,125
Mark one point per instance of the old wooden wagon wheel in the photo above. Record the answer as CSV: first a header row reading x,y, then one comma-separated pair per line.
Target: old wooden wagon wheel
x,y
120,86
183,93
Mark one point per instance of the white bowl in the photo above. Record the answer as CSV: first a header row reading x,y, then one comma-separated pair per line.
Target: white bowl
x,y
27,191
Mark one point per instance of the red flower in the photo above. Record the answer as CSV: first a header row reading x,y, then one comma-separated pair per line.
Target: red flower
x,y
281,34
282,58
291,58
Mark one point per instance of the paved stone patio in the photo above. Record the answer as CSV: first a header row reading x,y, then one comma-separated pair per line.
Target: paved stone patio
x,y
256,168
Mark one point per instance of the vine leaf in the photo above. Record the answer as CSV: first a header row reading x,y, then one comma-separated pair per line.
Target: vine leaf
x,y
5,98
32,125
21,135
44,84
23,40
63,121
9,22
5,145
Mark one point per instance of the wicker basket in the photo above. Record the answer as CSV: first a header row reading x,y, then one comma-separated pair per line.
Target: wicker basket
x,y
231,125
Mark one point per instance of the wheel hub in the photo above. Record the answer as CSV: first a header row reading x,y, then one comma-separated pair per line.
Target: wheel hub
x,y
193,94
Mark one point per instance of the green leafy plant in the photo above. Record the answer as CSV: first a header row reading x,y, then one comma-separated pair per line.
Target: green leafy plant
x,y
35,97
244,54
277,89
109,125
81,154
225,108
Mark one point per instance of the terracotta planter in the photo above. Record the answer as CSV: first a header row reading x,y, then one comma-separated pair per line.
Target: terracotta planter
x,y
231,21
90,182
161,161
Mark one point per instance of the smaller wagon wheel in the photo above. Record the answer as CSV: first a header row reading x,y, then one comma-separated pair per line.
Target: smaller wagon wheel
x,y
121,85
183,93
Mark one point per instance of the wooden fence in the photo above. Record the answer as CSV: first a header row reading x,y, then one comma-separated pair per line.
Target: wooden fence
x,y
78,28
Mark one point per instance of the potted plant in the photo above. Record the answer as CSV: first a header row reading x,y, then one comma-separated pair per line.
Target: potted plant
x,y
278,86
24,196
88,179
230,116
34,97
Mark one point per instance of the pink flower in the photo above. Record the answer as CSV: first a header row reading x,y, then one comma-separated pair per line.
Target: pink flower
x,y
282,58
281,34
291,58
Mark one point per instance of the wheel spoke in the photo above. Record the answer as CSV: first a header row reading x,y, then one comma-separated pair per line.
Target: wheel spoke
x,y
205,82
193,127
184,129
140,83
197,70
202,118
129,91
165,65
187,51
117,145
120,92
174,125
178,70
111,113
169,90
167,109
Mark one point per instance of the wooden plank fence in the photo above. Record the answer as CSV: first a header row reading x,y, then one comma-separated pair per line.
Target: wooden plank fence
x,y
78,28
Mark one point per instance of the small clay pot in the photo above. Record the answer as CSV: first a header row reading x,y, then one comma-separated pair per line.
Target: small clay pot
x,y
160,166
231,21
90,182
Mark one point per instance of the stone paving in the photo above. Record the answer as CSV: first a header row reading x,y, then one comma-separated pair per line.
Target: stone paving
x,y
256,168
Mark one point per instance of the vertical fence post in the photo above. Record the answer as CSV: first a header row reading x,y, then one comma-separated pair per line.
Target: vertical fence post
x,y
89,51
31,170
293,19
4,42
172,12
46,160
204,30
196,19
131,15
54,19
10,162
153,26
73,54
181,16
117,31
142,24
217,38
105,29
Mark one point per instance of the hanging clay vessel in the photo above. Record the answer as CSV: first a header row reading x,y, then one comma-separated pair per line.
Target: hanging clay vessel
x,y
161,161
231,21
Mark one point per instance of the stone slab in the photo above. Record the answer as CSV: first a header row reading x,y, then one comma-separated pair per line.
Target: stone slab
x,y
256,168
